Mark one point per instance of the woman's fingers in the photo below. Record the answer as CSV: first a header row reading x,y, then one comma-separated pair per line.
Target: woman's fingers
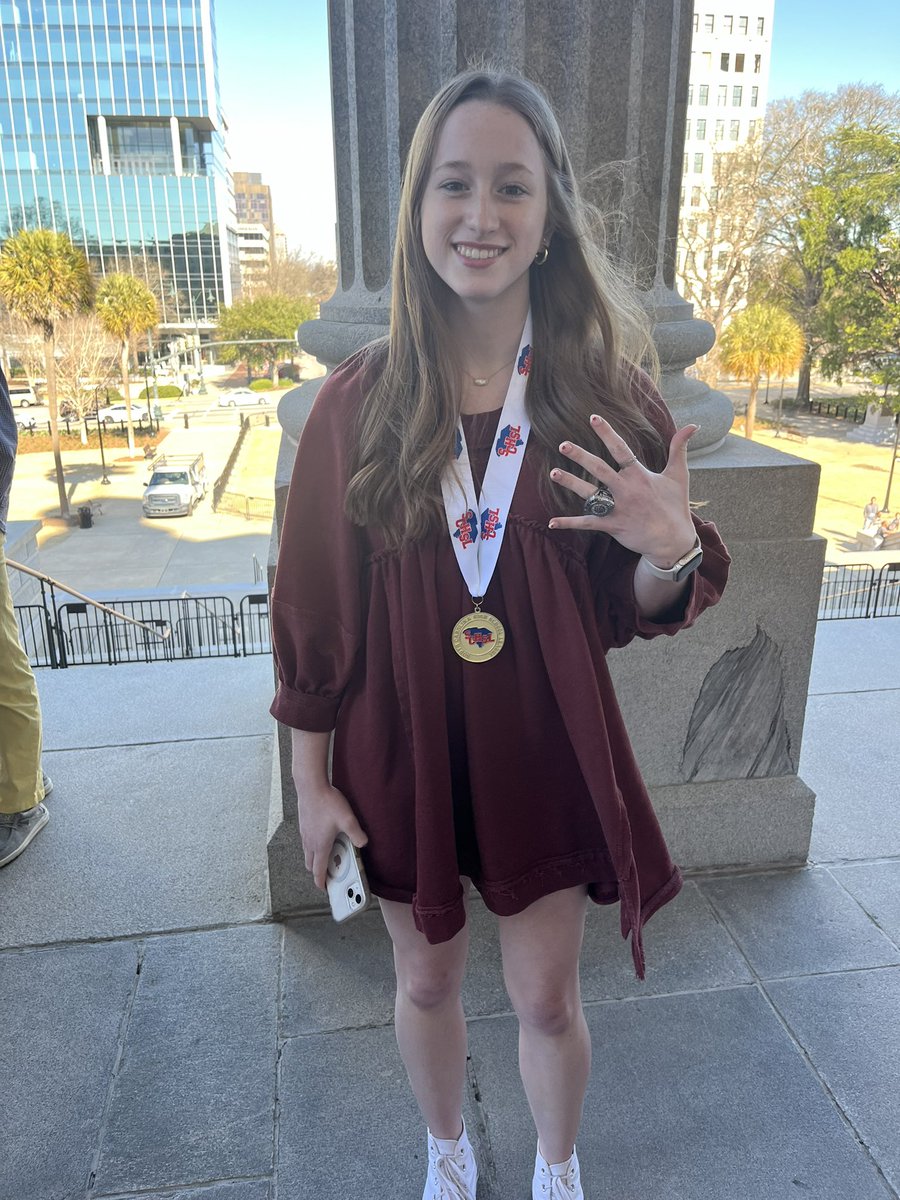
x,y
581,487
617,446
677,463
591,462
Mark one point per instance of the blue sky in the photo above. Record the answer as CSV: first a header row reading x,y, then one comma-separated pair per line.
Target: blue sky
x,y
274,76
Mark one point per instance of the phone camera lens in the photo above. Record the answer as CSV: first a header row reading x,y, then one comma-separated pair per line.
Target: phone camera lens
x,y
350,892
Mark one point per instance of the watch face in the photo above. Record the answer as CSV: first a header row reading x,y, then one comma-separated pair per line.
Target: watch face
x,y
690,564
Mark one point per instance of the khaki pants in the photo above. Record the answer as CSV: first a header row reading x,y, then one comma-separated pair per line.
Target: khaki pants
x,y
21,785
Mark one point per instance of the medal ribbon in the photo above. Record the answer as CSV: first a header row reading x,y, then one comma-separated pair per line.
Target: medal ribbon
x,y
477,523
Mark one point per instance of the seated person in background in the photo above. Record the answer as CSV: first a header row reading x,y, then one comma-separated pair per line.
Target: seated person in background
x,y
895,523
870,513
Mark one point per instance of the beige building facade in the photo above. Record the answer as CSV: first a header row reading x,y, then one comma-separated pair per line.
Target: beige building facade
x,y
729,78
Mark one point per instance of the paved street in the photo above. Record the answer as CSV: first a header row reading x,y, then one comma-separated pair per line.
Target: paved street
x,y
164,1041
124,550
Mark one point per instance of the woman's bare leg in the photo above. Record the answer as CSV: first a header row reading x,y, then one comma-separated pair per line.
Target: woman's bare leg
x,y
541,948
429,1020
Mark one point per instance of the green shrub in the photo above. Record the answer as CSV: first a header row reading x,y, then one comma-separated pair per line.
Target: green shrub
x,y
166,391
261,385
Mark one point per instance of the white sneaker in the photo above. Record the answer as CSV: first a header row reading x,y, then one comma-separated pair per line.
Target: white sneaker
x,y
556,1181
452,1172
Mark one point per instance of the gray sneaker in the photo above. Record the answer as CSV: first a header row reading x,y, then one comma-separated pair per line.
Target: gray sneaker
x,y
17,830
48,784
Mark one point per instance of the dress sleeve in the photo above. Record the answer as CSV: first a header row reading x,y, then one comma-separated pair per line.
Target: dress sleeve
x,y
612,566
317,594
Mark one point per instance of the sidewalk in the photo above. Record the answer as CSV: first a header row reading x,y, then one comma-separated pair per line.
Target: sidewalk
x,y
204,550
161,1039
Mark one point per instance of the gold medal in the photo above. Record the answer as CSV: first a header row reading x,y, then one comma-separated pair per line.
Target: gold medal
x,y
478,637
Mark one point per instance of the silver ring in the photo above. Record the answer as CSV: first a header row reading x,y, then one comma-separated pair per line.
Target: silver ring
x,y
601,503
627,463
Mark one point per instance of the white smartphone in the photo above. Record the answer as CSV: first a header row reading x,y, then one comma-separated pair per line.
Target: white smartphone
x,y
348,890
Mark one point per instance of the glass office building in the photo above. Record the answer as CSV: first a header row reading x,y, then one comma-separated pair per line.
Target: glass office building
x,y
111,130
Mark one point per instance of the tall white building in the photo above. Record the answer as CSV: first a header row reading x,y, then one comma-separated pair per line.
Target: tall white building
x,y
730,54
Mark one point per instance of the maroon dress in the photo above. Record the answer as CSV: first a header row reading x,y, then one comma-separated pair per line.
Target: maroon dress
x,y
517,771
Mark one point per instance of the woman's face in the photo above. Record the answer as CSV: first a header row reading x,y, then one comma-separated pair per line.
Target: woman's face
x,y
484,207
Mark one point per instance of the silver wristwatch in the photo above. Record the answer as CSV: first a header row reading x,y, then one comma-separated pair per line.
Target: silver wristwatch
x,y
687,563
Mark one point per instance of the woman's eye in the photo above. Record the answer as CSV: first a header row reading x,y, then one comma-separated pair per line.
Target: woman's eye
x,y
513,189
451,185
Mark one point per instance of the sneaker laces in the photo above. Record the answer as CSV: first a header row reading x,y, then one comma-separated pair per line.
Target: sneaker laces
x,y
562,1187
450,1178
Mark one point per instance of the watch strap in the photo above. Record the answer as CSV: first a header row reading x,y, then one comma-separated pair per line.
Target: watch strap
x,y
679,570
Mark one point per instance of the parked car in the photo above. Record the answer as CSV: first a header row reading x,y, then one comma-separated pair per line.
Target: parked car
x,y
115,414
22,394
26,420
176,487
241,396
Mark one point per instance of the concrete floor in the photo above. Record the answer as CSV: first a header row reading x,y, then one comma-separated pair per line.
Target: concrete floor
x,y
162,1039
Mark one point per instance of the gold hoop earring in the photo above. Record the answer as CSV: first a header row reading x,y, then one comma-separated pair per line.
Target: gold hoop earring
x,y
542,255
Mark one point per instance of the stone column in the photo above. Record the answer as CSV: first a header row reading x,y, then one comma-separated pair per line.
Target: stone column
x,y
717,714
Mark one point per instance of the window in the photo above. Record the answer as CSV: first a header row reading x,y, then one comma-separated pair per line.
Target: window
x,y
734,131
739,62
690,93
720,131
724,61
722,260
695,197
760,25
709,22
737,95
714,195
701,131
742,24
696,22
698,164
757,63
729,24
691,226
684,165
722,97
752,129
141,147
704,93
754,97
682,198
707,60
687,131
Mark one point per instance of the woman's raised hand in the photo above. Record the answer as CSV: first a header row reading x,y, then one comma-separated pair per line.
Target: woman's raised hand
x,y
652,513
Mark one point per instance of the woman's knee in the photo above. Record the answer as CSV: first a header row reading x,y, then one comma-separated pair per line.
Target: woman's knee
x,y
546,1007
428,984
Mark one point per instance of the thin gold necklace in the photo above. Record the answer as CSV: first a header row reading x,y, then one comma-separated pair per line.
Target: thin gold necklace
x,y
484,380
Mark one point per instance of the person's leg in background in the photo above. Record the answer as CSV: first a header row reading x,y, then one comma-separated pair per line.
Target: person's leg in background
x,y
22,784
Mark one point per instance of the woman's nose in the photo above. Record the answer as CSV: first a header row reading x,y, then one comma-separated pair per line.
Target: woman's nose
x,y
482,213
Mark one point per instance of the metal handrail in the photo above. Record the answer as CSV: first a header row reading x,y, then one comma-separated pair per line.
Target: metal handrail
x,y
55,583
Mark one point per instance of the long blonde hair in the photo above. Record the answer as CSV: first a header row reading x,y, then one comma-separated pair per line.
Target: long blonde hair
x,y
590,333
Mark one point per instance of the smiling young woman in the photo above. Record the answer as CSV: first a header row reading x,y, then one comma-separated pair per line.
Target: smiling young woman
x,y
483,504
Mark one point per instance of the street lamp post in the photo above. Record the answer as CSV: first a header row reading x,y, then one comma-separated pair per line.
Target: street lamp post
x,y
106,479
887,497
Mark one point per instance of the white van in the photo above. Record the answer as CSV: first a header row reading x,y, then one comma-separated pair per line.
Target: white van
x,y
22,394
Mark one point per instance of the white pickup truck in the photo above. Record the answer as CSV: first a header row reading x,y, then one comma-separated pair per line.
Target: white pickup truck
x,y
176,486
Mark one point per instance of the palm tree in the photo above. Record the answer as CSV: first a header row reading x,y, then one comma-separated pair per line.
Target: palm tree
x,y
44,277
761,340
126,307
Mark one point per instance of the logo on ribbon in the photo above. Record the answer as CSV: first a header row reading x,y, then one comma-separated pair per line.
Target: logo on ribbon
x,y
467,528
509,440
490,523
457,449
525,360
